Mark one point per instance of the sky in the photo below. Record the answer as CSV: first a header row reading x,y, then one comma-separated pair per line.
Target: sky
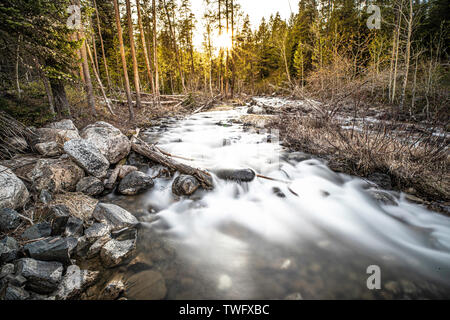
x,y
256,9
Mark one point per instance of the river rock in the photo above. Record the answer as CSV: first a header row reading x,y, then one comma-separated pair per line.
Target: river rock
x,y
185,185
15,293
45,197
382,180
74,282
294,296
52,249
146,285
97,230
8,249
91,186
6,270
9,219
125,170
42,276
48,149
87,156
20,165
59,215
244,175
39,230
59,136
114,216
383,197
115,252
13,193
65,124
111,142
134,183
55,175
74,227
113,289
97,246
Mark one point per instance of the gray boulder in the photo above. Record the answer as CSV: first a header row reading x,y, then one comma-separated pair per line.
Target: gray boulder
x,y
52,249
97,246
134,183
115,252
60,136
9,219
243,175
13,193
114,216
39,230
8,249
97,230
48,149
7,269
111,142
15,293
65,124
74,282
91,186
74,227
42,276
87,156
184,185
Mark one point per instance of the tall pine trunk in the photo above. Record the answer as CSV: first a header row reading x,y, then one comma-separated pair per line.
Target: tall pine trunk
x,y
87,78
60,98
155,52
144,47
133,55
408,54
102,46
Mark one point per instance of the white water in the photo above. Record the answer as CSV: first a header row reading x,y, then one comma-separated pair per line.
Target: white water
x,y
244,241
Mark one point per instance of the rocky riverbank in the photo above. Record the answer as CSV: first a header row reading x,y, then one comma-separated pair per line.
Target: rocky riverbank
x,y
57,239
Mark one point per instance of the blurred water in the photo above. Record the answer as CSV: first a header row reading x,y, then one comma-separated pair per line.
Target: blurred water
x,y
314,235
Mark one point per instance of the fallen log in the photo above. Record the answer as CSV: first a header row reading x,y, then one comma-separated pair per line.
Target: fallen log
x,y
146,102
151,152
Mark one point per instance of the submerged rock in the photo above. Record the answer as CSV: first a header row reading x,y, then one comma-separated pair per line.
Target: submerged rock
x,y
146,285
87,156
134,183
244,175
13,193
115,252
112,290
185,185
114,216
381,179
9,219
52,249
42,276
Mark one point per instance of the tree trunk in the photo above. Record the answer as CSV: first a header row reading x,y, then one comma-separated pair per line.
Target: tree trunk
x,y
396,54
102,46
408,54
60,98
155,52
124,61
133,55
87,77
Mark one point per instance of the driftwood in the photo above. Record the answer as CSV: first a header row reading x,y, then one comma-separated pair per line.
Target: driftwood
x,y
151,152
145,102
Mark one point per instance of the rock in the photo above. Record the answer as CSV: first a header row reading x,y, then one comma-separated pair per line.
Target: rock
x,y
6,270
45,197
294,296
13,193
114,216
79,205
111,142
277,191
87,156
382,180
134,183
115,252
40,297
74,282
16,280
52,249
91,186
112,290
97,230
244,175
185,185
42,276
125,170
59,136
48,149
59,214
8,249
15,293
383,197
97,246
137,160
9,219
125,234
65,124
20,165
18,143
146,285
74,227
56,175
40,230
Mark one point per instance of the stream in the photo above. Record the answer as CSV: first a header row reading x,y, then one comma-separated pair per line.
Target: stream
x,y
312,235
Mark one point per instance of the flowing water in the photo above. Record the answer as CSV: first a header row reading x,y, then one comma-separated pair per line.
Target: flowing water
x,y
315,234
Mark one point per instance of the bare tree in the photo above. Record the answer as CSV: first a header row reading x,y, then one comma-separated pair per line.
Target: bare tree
x,y
133,55
102,45
155,56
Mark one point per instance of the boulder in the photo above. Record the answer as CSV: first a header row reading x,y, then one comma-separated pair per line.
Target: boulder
x,y
59,136
97,230
15,293
65,124
114,216
184,185
20,165
146,285
97,246
55,175
9,219
18,143
91,186
243,175
87,156
48,149
39,230
111,142
52,249
74,282
125,170
78,204
42,276
8,249
7,269
134,183
115,252
13,193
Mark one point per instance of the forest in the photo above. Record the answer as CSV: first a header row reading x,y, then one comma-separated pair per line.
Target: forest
x,y
147,141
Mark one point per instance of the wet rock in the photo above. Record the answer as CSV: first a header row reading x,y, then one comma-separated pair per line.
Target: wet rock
x,y
56,175
87,156
382,180
125,170
383,197
42,276
52,249
13,193
146,285
185,185
136,160
97,246
134,183
40,230
277,191
97,230
111,142
74,227
114,216
74,282
8,249
112,290
45,197
15,293
125,234
244,175
294,296
115,252
9,219
49,149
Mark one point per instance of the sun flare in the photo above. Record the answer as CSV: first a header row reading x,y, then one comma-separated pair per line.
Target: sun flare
x,y
223,41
